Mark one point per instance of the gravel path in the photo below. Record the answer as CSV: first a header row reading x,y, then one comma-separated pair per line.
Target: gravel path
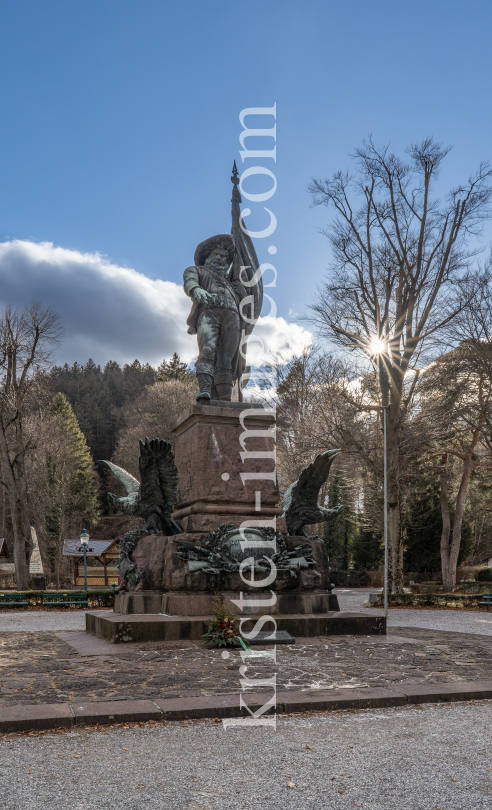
x,y
454,621
393,759
42,620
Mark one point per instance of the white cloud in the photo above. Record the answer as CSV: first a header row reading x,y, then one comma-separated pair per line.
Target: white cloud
x,y
277,336
111,312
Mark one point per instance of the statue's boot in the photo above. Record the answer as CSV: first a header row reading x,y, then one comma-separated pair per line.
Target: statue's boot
x,y
205,382
223,387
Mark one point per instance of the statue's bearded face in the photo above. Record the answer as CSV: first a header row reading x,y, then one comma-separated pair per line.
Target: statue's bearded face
x,y
218,260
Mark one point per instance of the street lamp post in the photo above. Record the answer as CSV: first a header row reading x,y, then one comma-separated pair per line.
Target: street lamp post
x,y
385,515
378,347
84,548
385,508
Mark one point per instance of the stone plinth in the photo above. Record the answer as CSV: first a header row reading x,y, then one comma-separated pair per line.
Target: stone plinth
x,y
38,582
118,629
201,604
225,456
141,602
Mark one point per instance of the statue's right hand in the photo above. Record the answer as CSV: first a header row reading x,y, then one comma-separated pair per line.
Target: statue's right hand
x,y
202,296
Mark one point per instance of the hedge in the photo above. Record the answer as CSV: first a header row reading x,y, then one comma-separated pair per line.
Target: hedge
x,y
484,575
96,598
350,579
453,600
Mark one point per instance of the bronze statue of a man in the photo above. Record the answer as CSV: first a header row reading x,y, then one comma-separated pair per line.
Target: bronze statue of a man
x,y
214,316
226,304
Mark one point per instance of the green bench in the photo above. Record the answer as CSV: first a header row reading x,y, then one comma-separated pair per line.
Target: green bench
x,y
55,598
13,599
487,600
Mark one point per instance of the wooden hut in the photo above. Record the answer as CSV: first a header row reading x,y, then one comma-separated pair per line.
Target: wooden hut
x,y
101,562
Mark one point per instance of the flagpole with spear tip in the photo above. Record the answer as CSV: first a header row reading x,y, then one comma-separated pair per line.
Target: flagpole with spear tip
x,y
244,269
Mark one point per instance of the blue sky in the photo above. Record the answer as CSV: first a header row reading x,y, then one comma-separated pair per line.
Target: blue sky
x,y
120,126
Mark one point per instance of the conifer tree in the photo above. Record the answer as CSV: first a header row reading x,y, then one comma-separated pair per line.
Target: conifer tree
x,y
367,550
172,370
98,396
368,543
339,531
72,490
423,528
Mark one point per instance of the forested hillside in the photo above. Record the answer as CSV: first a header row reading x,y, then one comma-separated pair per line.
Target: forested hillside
x,y
98,395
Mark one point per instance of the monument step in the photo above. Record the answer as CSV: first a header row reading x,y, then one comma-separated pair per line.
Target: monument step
x,y
119,629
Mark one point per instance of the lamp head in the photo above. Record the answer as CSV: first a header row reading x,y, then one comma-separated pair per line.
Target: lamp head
x,y
84,538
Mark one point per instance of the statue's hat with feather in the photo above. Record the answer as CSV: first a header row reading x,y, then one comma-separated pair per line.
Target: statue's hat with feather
x,y
204,249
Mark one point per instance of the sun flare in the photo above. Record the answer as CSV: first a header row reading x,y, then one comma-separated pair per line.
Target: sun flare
x,y
377,346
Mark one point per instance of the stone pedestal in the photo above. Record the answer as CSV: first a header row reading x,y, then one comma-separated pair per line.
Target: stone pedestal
x,y
201,604
38,582
217,451
140,602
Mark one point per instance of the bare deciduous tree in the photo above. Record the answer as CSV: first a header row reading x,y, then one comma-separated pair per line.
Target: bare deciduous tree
x,y
398,252
456,401
151,415
27,337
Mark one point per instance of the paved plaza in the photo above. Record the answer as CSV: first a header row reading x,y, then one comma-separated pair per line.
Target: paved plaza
x,y
49,659
45,668
41,620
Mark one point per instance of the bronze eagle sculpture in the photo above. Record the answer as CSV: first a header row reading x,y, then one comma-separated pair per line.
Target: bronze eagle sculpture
x,y
154,498
300,502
